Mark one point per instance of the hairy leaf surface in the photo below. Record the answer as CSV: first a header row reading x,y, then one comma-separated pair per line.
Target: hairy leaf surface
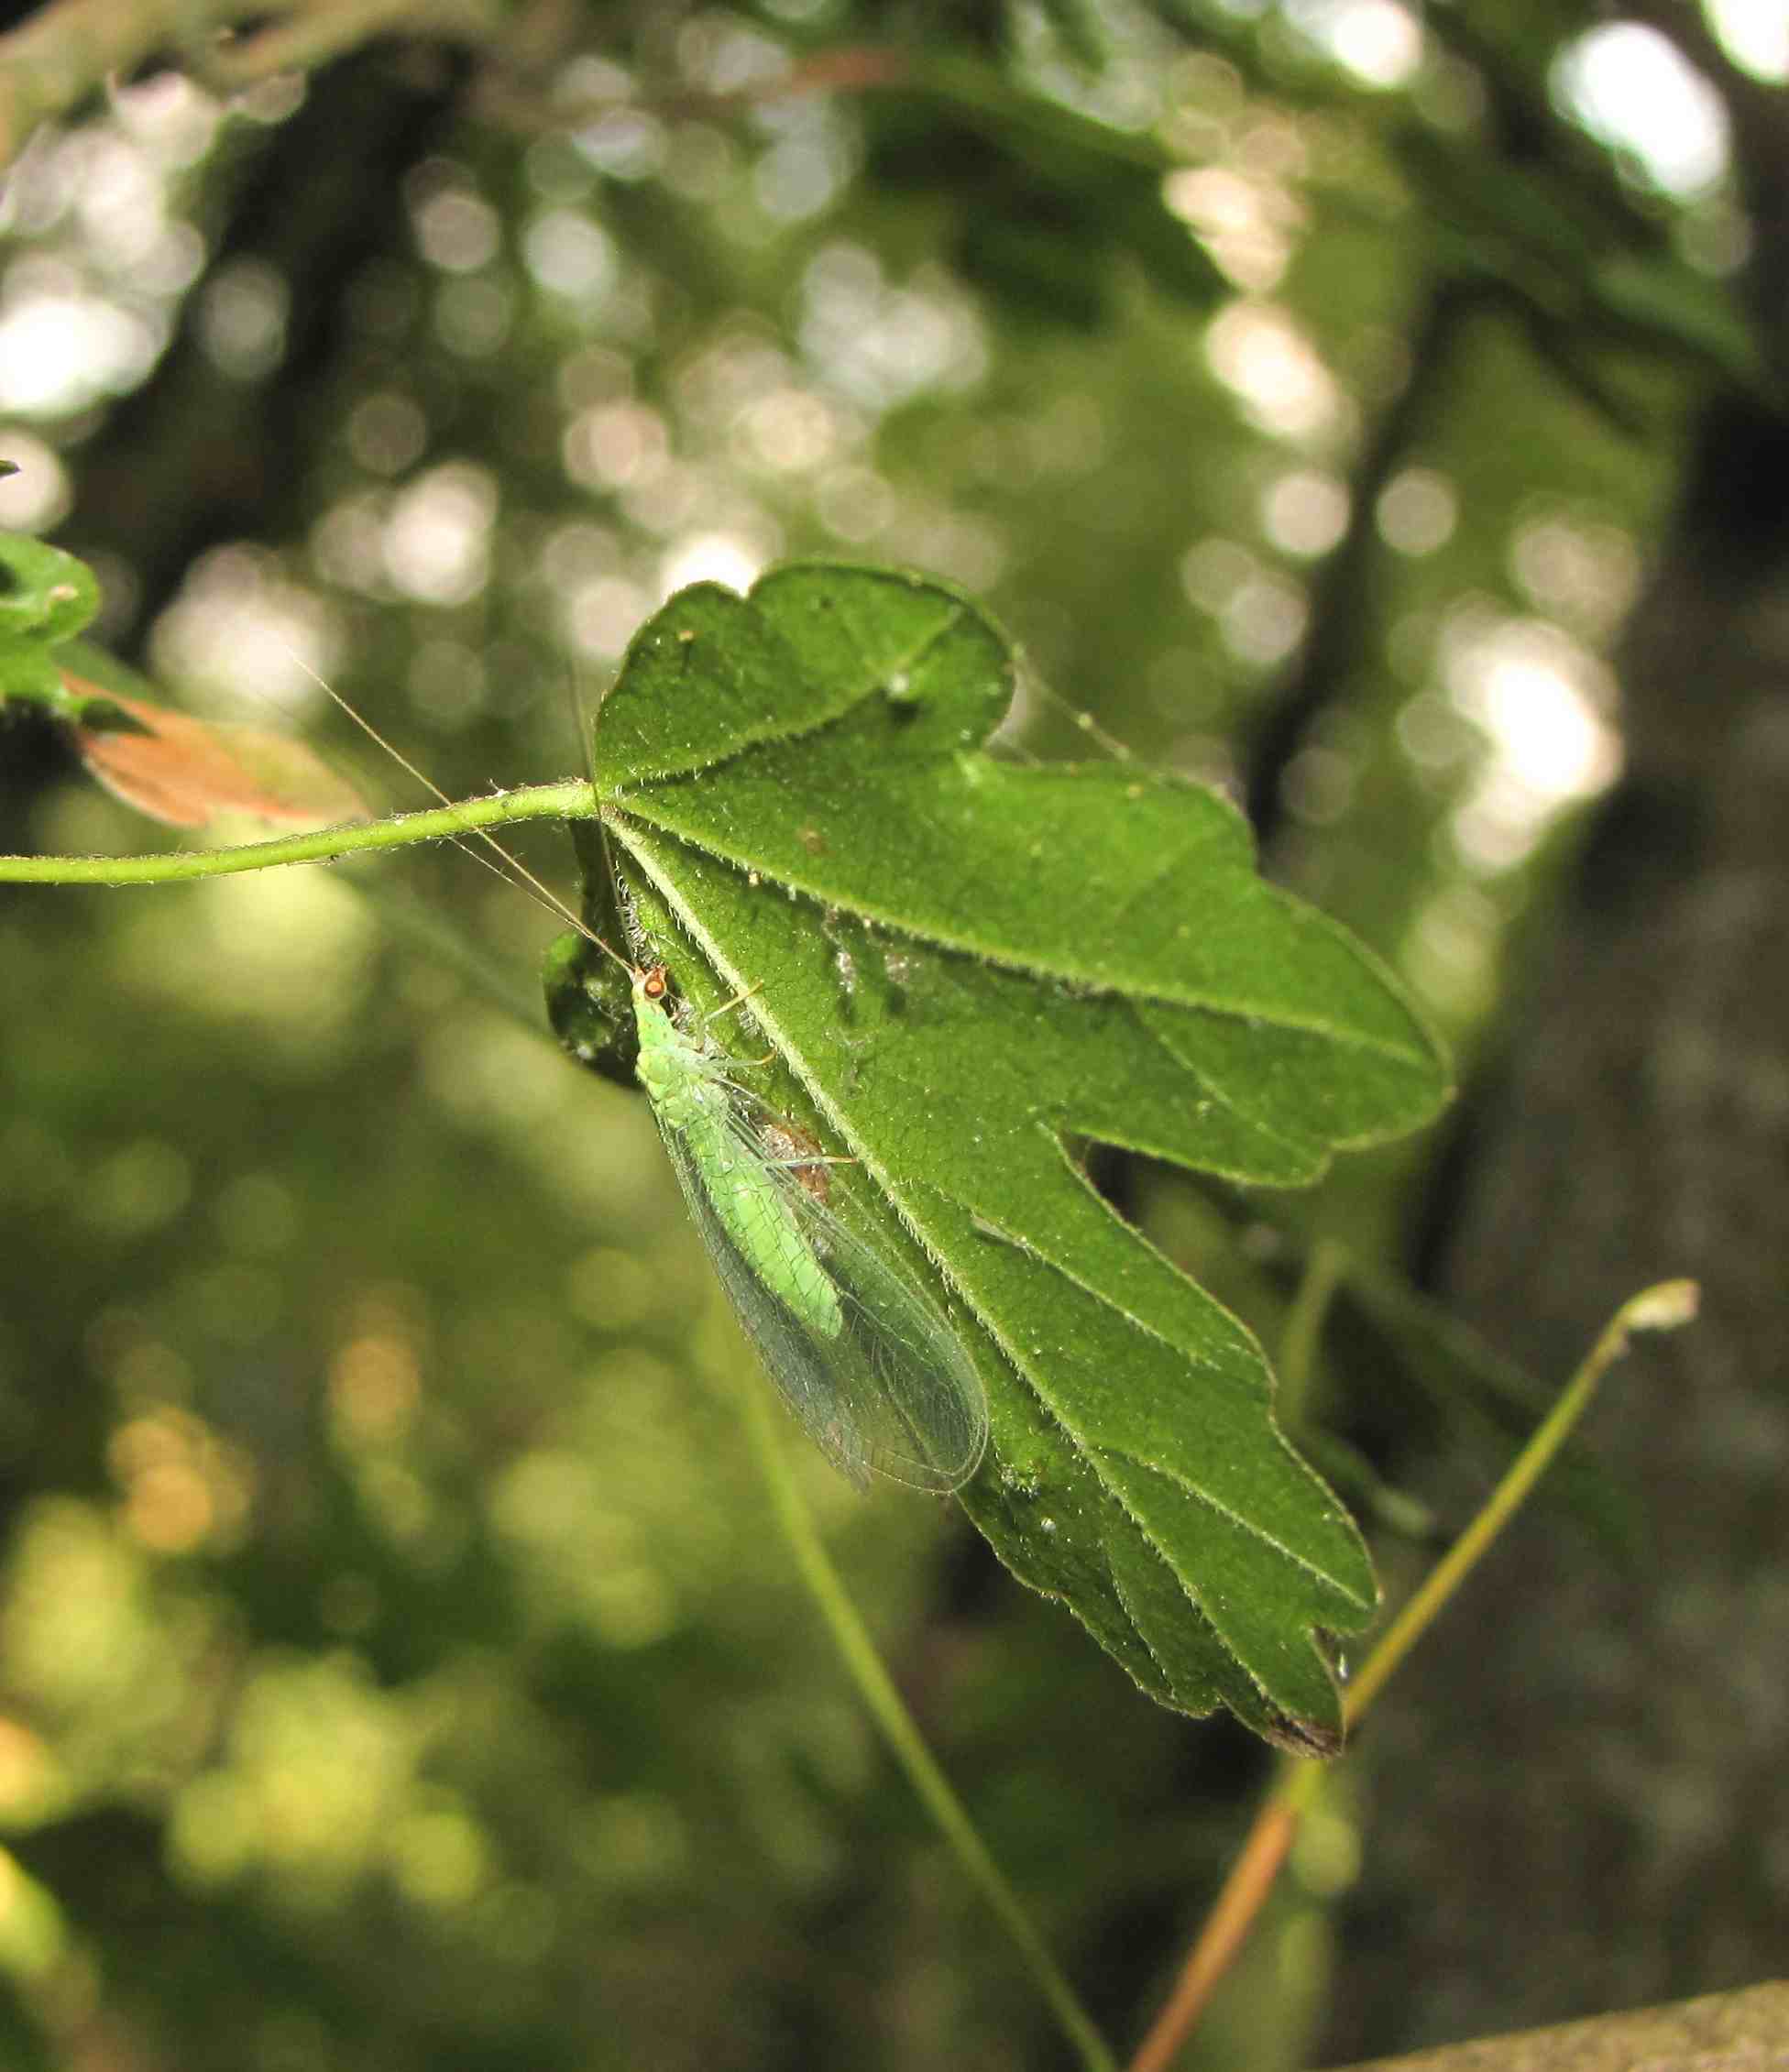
x,y
968,969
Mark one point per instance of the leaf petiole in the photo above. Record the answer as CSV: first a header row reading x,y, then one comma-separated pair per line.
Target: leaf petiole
x,y
573,799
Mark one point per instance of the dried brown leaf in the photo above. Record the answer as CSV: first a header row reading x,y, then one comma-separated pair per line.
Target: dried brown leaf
x,y
187,772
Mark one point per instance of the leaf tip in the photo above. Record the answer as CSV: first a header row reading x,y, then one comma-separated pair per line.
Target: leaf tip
x,y
1316,1739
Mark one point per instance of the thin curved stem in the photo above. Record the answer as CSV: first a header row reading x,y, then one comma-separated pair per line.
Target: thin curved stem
x,y
1662,1308
905,1743
571,800
1252,1878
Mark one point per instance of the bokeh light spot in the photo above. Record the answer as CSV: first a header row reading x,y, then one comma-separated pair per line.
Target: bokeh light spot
x,y
1632,89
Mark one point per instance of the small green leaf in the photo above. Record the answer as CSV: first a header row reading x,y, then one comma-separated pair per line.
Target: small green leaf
x,y
43,592
45,597
967,967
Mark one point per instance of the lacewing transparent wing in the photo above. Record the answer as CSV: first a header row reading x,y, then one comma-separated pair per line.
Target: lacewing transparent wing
x,y
860,1354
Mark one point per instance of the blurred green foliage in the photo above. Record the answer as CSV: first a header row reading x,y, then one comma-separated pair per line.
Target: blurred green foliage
x,y
397,1668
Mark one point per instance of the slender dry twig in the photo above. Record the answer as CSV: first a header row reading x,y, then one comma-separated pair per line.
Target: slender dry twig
x,y
1666,1306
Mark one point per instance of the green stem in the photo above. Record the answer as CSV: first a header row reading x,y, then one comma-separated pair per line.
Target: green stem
x,y
899,1730
571,800
1663,1308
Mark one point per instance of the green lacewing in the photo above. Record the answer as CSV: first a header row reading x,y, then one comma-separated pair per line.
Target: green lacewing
x,y
862,1354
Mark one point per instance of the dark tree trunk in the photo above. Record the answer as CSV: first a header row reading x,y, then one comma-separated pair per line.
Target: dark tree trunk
x,y
1581,1789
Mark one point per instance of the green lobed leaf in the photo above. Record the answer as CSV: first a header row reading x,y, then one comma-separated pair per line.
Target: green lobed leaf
x,y
966,968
